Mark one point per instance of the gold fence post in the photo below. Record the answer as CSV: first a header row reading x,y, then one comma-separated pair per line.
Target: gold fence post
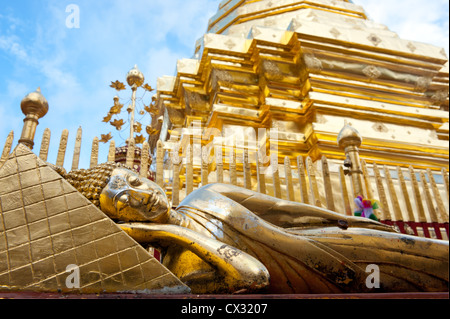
x,y
385,212
45,145
288,179
276,176
62,148
260,173
175,178
327,183
219,163
233,176
349,140
417,196
437,196
302,180
313,182
112,151
189,169
205,165
247,170
445,178
77,149
345,200
7,148
428,198
393,195
409,209
144,159
131,146
94,152
159,164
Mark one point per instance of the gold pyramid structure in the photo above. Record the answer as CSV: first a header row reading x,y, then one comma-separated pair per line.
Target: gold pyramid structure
x,y
305,68
47,228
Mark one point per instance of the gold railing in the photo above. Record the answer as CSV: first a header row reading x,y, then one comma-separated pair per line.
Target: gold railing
x,y
411,199
414,200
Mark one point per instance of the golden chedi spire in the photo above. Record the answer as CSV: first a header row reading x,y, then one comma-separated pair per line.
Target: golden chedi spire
x,y
304,67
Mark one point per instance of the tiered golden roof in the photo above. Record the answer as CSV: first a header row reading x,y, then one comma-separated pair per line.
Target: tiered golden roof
x,y
305,67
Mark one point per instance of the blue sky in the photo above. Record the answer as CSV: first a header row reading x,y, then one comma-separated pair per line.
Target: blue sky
x,y
74,67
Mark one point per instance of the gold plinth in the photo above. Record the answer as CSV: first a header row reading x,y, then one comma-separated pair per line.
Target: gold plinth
x,y
46,226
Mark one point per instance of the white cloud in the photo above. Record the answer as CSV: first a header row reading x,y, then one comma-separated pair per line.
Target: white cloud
x,y
418,20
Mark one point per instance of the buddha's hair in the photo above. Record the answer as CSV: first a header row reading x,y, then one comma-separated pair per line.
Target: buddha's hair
x,y
90,182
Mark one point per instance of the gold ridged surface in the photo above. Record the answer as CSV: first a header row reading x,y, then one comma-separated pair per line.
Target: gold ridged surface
x,y
46,225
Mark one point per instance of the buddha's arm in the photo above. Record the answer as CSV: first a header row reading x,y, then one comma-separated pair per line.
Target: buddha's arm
x,y
236,269
288,214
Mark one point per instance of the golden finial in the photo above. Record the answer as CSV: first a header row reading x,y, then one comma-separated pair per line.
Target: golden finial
x,y
34,103
135,77
34,106
349,136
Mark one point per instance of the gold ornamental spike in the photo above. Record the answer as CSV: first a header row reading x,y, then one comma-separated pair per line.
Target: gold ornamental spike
x,y
386,214
247,171
130,153
7,147
144,159
443,217
261,176
205,166
288,179
94,152
176,183
276,176
344,191
366,178
233,175
219,164
112,151
77,149
428,198
446,183
62,148
68,245
327,183
313,182
393,194
159,164
417,196
45,145
189,169
404,189
302,180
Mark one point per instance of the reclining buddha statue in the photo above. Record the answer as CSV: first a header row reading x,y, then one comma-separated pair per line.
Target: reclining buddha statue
x,y
227,239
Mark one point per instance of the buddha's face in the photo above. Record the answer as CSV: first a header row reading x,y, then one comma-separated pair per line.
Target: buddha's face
x,y
128,197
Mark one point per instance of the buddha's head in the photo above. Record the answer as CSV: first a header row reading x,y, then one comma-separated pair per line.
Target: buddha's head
x,y
120,192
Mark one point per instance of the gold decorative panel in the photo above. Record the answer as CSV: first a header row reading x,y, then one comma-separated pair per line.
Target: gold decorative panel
x,y
52,239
